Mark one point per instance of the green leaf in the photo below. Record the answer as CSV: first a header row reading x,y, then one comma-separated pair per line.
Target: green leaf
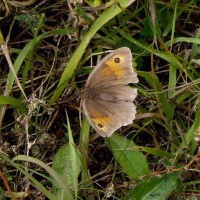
x,y
63,166
155,188
67,164
14,103
73,160
127,155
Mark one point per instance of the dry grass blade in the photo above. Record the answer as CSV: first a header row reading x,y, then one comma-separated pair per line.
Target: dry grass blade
x,y
20,3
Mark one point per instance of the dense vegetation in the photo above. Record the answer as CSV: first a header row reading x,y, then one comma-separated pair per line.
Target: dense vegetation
x,y
47,49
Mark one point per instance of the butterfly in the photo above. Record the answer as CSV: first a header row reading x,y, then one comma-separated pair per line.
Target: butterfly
x,y
107,99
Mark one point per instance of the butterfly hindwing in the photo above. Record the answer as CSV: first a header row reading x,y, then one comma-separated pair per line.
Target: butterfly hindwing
x,y
99,118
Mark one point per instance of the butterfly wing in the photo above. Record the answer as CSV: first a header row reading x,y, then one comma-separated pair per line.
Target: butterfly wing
x,y
107,100
114,93
111,108
116,68
107,116
99,118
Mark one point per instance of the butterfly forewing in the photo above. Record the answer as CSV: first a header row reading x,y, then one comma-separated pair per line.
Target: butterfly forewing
x,y
115,68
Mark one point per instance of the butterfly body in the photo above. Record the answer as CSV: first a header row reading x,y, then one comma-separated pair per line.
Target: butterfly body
x,y
107,98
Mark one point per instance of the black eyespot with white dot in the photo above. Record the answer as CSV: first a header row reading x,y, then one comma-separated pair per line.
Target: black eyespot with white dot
x,y
100,125
117,60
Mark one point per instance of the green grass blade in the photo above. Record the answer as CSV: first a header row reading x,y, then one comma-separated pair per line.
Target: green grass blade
x,y
47,168
107,15
75,162
152,79
157,152
15,103
189,136
172,80
25,51
84,149
36,183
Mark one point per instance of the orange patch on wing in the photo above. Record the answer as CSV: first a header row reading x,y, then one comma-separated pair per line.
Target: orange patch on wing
x,y
100,121
113,67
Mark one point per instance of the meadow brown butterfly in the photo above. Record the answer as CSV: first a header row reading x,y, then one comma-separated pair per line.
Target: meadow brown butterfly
x,y
107,99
